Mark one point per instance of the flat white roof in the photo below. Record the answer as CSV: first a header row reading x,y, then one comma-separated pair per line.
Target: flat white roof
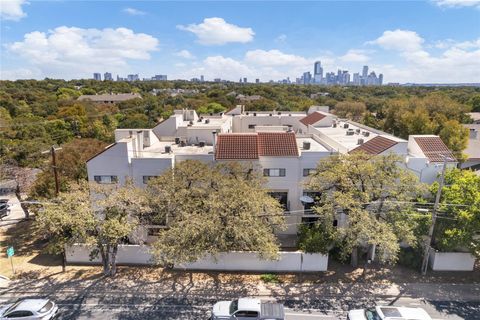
x,y
158,150
339,134
314,145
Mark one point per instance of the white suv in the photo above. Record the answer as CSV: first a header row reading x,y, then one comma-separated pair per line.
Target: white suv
x,y
387,312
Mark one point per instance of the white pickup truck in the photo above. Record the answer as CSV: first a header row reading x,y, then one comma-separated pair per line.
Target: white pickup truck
x,y
248,309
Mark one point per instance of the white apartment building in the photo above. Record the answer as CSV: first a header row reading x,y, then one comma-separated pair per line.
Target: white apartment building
x,y
285,145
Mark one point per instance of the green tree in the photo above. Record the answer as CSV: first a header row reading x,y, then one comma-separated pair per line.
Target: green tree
x,y
455,136
350,110
373,192
212,107
458,226
213,209
72,219
71,164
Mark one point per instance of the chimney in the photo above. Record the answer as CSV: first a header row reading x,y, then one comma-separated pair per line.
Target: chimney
x,y
214,133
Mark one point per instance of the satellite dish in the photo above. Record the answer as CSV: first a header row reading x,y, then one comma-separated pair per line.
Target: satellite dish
x,y
306,199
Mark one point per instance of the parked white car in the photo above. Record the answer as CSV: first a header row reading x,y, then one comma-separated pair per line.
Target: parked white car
x,y
247,309
29,309
388,312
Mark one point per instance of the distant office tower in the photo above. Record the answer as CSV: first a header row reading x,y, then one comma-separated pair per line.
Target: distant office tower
x,y
257,80
317,72
307,77
356,79
160,77
245,80
107,76
380,79
202,78
365,72
217,80
97,76
132,77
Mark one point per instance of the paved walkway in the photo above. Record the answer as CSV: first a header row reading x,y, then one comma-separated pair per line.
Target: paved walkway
x,y
16,211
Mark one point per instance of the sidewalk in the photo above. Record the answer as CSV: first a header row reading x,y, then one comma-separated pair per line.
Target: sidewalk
x,y
151,281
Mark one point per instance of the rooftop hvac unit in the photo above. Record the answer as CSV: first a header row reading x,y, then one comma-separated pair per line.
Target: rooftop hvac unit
x,y
177,140
345,126
201,144
246,113
334,125
200,119
270,114
360,141
182,143
254,114
350,133
207,120
306,145
366,133
357,131
168,149
279,113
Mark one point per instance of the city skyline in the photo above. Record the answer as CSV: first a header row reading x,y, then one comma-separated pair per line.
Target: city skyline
x,y
421,42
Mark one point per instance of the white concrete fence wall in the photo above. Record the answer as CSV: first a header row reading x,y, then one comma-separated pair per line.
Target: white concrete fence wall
x,y
451,261
233,261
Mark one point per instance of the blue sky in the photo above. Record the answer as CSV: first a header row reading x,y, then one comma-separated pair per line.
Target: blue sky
x,y
407,41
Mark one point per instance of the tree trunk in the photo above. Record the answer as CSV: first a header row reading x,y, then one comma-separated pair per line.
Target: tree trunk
x,y
105,258
64,261
354,257
22,205
113,261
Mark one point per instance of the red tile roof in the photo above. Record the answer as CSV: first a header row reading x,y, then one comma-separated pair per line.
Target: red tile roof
x,y
237,146
312,118
249,146
277,144
375,145
434,149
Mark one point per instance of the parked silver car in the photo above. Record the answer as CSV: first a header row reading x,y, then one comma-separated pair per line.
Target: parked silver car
x,y
29,309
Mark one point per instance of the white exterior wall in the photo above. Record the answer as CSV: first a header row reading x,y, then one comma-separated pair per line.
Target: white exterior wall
x,y
240,123
112,162
401,149
451,261
149,167
233,261
168,128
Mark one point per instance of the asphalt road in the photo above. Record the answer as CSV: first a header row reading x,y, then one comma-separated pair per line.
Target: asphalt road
x,y
117,305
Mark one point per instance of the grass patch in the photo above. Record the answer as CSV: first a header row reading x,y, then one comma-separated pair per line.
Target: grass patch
x,y
270,278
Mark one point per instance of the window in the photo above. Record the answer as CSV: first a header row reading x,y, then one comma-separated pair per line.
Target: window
x,y
246,314
47,307
19,314
251,126
308,171
147,178
280,172
105,179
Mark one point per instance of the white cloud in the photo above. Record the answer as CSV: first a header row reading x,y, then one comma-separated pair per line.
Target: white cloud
x,y
457,3
70,51
401,40
185,54
134,12
12,9
274,58
459,62
216,31
354,55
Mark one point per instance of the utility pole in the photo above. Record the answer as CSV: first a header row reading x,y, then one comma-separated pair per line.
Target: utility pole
x,y
54,166
428,242
57,190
